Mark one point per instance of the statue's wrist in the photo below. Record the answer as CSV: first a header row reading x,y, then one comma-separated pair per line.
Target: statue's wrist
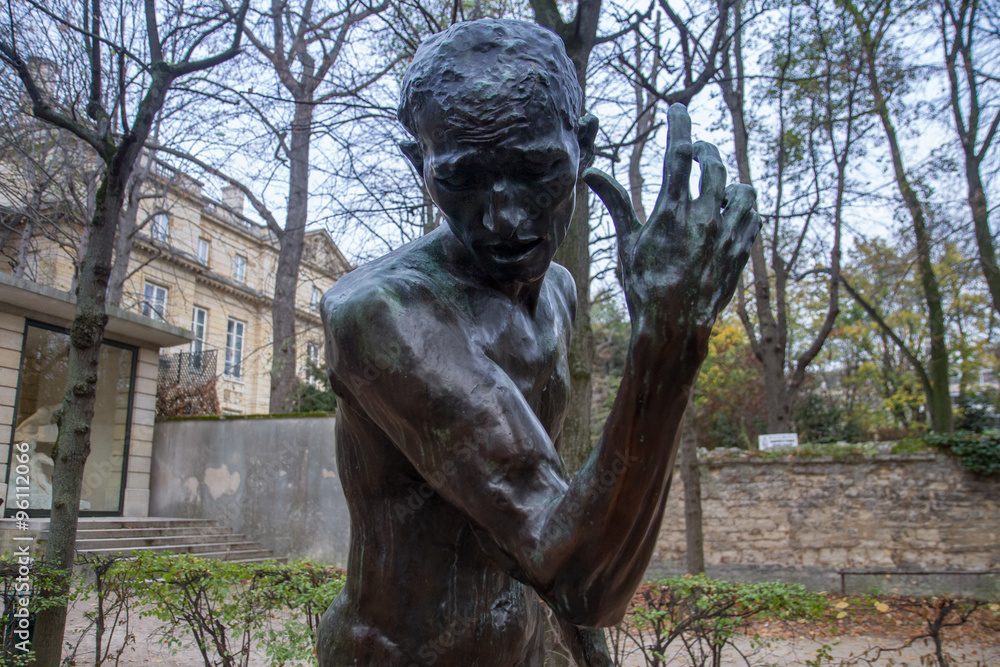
x,y
682,347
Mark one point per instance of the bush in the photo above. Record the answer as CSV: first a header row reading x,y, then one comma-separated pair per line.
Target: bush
x,y
228,607
977,411
979,452
822,420
703,615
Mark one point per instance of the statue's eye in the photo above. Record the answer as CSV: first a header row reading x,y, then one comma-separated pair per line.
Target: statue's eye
x,y
459,180
545,170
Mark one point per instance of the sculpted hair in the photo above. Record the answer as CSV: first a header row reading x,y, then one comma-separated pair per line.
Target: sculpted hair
x,y
488,75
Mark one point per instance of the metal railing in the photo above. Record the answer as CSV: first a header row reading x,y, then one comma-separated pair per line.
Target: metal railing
x,y
185,384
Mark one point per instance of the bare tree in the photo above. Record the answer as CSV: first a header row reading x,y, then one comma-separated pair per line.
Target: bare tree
x,y
304,44
579,34
872,23
814,91
961,30
680,65
49,184
128,82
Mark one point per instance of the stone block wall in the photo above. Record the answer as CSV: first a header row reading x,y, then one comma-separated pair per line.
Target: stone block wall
x,y
11,342
919,512
140,450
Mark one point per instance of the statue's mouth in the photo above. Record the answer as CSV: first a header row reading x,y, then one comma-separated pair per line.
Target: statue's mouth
x,y
512,251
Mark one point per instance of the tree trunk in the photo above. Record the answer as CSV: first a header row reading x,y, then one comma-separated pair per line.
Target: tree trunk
x,y
25,246
965,100
691,476
127,227
73,444
574,254
123,246
940,407
981,224
579,37
770,349
283,379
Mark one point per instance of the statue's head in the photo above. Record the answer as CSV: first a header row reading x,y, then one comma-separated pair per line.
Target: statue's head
x,y
494,108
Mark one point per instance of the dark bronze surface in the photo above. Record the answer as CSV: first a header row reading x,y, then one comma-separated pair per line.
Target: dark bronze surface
x,y
449,356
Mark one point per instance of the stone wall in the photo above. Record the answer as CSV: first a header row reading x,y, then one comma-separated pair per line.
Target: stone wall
x,y
274,480
804,519
792,519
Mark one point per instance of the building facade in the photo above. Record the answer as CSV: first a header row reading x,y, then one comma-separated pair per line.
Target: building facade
x,y
195,303
201,265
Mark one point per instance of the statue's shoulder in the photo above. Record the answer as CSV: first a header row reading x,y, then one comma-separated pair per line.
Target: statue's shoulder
x,y
376,297
562,286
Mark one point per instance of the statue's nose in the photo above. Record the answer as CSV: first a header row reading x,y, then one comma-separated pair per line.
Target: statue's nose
x,y
507,214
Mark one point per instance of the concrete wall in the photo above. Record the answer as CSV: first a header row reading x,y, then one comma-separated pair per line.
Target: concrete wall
x,y
274,480
804,519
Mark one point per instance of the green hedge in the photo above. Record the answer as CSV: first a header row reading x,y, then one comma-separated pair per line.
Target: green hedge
x,y
979,452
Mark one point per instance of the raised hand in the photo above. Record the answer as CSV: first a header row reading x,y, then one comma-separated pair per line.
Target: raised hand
x,y
681,268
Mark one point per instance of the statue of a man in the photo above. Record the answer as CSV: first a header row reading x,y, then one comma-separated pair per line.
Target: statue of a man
x,y
449,357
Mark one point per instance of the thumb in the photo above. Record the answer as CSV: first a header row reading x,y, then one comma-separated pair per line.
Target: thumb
x,y
617,201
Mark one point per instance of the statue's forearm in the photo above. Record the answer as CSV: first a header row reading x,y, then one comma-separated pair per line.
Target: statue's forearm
x,y
604,529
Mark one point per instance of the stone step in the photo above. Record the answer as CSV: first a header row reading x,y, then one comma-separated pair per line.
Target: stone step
x,y
206,538
134,542
117,522
115,533
193,549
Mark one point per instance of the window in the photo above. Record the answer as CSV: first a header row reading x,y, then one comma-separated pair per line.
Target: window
x,y
42,382
312,353
199,318
161,227
317,294
240,269
203,247
154,301
234,349
312,366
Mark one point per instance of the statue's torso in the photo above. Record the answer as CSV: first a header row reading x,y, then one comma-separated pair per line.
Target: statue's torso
x,y
422,588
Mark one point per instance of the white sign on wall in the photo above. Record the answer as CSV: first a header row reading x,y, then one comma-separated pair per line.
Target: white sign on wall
x,y
772,440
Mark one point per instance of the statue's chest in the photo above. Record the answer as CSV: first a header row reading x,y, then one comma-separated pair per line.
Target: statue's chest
x,y
534,353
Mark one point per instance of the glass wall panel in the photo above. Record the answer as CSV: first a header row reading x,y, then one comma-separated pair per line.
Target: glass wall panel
x,y
43,380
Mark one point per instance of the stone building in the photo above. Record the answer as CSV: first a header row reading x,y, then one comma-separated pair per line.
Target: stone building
x,y
195,307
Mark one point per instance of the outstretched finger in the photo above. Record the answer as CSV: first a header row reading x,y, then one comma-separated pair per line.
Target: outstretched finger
x,y
617,201
677,161
740,215
712,185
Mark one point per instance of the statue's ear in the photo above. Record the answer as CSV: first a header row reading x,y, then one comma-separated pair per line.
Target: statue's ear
x,y
586,133
413,153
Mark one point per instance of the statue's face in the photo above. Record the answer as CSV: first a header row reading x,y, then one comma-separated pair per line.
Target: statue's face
x,y
507,193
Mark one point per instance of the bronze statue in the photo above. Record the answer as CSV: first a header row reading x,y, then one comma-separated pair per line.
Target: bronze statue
x,y
449,357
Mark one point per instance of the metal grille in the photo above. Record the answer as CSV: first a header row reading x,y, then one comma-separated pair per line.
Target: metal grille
x,y
186,384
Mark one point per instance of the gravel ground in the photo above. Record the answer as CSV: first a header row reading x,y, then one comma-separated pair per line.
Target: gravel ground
x,y
846,649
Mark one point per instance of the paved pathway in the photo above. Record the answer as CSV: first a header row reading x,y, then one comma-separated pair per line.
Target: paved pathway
x,y
149,649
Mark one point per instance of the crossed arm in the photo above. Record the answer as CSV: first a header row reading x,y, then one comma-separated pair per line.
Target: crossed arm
x,y
583,545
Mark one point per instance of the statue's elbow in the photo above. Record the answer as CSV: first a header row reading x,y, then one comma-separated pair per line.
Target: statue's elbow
x,y
590,609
